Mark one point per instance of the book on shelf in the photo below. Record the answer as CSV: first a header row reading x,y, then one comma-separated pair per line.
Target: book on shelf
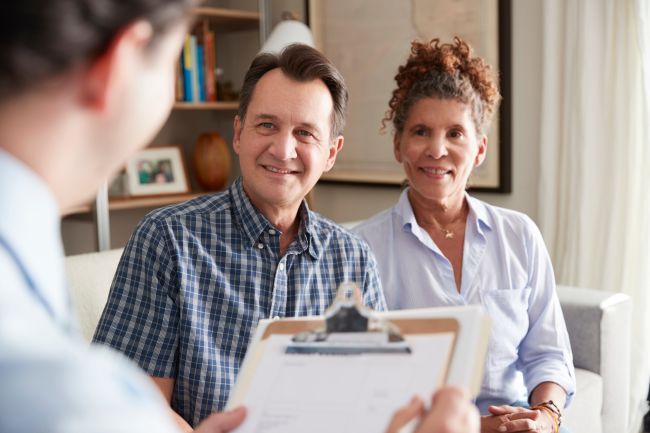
x,y
210,62
194,69
196,79
187,69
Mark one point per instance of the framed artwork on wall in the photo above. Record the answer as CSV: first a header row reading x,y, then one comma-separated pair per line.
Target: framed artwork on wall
x,y
368,41
157,170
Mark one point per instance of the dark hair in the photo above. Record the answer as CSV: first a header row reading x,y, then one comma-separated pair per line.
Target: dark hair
x,y
446,71
301,63
40,39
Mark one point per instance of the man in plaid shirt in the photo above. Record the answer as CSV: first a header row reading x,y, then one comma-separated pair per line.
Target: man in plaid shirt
x,y
195,278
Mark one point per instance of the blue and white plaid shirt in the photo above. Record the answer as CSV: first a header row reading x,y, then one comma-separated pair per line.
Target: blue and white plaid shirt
x,y
195,279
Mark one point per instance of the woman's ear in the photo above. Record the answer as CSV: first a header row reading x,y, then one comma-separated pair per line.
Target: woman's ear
x,y
397,148
482,151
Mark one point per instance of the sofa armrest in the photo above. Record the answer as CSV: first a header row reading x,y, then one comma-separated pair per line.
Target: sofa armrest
x,y
598,323
89,279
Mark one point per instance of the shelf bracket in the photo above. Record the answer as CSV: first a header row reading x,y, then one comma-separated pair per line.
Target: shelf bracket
x,y
102,219
265,21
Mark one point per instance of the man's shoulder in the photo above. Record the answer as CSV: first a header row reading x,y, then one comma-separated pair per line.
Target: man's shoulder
x,y
330,234
325,226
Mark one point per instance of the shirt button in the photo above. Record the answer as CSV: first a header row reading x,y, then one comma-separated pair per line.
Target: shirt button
x,y
271,232
281,266
260,246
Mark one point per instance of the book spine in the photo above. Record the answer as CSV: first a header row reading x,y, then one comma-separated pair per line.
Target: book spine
x,y
210,64
200,68
187,70
179,92
194,70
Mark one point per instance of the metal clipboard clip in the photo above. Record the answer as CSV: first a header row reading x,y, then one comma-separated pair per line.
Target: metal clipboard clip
x,y
351,328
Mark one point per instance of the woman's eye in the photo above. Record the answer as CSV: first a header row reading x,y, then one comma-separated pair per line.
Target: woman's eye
x,y
421,132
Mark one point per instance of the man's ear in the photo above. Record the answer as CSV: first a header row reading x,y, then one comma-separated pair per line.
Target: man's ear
x,y
236,140
334,150
397,150
482,151
110,72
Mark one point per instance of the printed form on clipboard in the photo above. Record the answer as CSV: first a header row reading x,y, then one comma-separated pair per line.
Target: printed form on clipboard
x,y
349,370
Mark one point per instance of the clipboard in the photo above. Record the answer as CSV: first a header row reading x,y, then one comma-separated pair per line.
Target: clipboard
x,y
352,388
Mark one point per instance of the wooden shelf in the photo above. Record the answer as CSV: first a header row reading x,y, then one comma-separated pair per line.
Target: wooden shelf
x,y
229,105
228,20
115,203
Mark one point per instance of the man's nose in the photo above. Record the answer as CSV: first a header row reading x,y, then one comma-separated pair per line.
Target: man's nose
x,y
283,147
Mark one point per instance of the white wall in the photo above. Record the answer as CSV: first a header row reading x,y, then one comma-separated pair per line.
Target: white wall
x,y
352,202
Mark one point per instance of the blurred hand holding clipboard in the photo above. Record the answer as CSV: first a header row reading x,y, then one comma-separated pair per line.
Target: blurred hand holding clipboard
x,y
349,370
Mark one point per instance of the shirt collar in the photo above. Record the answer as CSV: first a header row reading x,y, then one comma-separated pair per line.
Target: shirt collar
x,y
254,223
404,211
477,210
30,222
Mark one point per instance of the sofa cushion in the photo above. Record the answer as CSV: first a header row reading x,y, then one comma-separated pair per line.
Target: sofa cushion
x,y
583,416
89,278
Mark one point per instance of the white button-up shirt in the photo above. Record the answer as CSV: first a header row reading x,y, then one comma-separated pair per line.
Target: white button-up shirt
x,y
506,269
50,380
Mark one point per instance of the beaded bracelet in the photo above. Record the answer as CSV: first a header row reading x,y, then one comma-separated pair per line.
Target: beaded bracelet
x,y
551,407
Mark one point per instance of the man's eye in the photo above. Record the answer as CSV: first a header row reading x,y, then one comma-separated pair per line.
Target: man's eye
x,y
266,125
455,133
304,133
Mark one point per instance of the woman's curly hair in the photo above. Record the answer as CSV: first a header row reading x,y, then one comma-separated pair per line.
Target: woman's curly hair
x,y
446,71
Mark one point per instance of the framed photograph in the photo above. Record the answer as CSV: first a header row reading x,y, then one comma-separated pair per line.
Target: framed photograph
x,y
157,170
368,43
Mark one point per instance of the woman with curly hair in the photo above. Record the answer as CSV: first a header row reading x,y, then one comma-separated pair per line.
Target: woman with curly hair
x,y
438,246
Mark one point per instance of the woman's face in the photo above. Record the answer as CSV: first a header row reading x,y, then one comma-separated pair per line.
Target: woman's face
x,y
438,148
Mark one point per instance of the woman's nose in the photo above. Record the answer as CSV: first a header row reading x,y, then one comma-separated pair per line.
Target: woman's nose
x,y
437,147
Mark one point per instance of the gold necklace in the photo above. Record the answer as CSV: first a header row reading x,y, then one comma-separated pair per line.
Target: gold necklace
x,y
448,233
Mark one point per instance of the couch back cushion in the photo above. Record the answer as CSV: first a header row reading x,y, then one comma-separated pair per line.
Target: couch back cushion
x,y
89,279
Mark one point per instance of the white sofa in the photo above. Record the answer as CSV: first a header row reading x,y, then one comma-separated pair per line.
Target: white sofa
x,y
598,324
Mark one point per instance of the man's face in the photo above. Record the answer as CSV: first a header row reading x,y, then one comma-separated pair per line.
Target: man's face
x,y
284,143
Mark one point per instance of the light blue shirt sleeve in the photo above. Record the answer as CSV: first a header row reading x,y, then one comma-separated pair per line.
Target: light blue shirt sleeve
x,y
544,353
53,382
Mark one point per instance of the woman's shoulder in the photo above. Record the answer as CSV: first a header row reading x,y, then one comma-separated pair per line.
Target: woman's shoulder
x,y
503,218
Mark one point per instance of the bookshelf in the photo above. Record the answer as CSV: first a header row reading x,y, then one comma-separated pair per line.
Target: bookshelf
x,y
123,203
219,105
238,35
229,19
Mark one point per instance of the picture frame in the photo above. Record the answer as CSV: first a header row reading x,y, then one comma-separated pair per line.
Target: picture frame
x,y
369,67
157,170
